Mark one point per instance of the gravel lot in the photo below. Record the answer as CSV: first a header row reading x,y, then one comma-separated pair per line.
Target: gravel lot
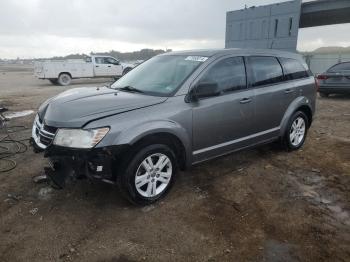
x,y
262,204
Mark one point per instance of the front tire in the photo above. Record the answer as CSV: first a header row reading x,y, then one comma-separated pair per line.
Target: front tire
x,y
296,131
127,70
149,175
64,79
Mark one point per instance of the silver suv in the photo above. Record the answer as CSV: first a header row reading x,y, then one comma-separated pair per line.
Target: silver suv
x,y
173,111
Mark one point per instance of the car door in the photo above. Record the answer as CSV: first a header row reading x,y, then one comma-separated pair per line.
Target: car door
x,y
114,67
273,95
101,67
221,123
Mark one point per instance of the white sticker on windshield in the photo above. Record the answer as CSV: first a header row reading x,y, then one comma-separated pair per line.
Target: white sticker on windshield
x,y
197,58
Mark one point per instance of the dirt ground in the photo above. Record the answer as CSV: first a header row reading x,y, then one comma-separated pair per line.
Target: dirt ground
x,y
262,204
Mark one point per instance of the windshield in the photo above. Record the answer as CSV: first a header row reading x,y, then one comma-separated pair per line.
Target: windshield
x,y
160,76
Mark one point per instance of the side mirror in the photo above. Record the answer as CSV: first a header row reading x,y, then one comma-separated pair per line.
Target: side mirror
x,y
203,89
116,62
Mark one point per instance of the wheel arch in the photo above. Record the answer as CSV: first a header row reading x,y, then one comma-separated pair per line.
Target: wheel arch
x,y
68,73
165,131
307,111
300,104
166,138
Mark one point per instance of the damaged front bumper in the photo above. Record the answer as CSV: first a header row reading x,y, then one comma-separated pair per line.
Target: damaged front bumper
x,y
97,163
65,163
77,163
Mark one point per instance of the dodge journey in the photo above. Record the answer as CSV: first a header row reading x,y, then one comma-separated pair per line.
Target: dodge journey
x,y
173,111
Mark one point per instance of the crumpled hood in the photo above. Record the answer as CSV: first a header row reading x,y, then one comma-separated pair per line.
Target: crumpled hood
x,y
78,106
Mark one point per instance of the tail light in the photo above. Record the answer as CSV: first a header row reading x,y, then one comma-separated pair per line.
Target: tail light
x,y
318,79
322,77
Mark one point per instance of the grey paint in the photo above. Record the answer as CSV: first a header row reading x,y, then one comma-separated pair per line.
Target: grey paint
x,y
93,104
207,128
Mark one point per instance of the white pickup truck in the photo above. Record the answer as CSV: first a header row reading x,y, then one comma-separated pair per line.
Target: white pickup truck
x,y
63,71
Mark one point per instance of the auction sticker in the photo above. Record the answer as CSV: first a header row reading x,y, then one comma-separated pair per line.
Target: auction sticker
x,y
197,58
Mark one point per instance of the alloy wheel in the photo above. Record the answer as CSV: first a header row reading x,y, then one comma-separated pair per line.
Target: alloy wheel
x,y
297,131
153,175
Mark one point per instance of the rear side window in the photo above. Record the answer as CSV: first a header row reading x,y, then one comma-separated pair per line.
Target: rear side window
x,y
293,69
110,60
100,60
265,70
228,73
340,67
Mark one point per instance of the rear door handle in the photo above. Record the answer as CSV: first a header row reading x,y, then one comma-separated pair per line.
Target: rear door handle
x,y
97,66
245,100
109,66
288,91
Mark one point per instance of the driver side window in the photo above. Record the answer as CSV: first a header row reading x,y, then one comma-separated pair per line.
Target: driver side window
x,y
105,60
109,60
229,74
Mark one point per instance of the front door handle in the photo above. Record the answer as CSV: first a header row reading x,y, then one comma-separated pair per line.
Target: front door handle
x,y
109,66
288,91
245,100
97,66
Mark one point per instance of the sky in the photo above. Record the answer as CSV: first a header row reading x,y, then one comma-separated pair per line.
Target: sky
x,y
45,28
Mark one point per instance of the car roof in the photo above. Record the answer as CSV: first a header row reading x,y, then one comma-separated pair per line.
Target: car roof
x,y
235,51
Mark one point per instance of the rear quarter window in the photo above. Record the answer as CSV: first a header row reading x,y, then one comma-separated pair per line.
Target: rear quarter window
x,y
265,70
293,69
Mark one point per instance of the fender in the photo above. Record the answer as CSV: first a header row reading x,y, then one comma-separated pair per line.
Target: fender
x,y
297,103
137,132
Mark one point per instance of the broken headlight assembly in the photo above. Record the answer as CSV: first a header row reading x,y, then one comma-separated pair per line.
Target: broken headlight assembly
x,y
79,138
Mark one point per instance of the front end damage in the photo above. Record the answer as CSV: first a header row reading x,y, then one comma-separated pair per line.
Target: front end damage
x,y
67,164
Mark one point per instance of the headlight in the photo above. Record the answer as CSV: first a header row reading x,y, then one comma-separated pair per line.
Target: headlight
x,y
79,138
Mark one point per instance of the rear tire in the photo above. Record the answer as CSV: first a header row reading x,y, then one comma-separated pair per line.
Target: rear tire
x,y
323,94
149,174
64,79
296,131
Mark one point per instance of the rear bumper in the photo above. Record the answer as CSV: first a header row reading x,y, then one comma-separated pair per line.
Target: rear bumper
x,y
334,89
40,75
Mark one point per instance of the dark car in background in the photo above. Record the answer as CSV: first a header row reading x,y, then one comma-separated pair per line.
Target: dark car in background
x,y
336,80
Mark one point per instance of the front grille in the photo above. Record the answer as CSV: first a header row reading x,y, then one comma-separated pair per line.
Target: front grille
x,y
45,141
50,129
45,134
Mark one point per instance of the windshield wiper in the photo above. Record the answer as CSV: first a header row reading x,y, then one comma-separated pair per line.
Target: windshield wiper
x,y
130,89
109,85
